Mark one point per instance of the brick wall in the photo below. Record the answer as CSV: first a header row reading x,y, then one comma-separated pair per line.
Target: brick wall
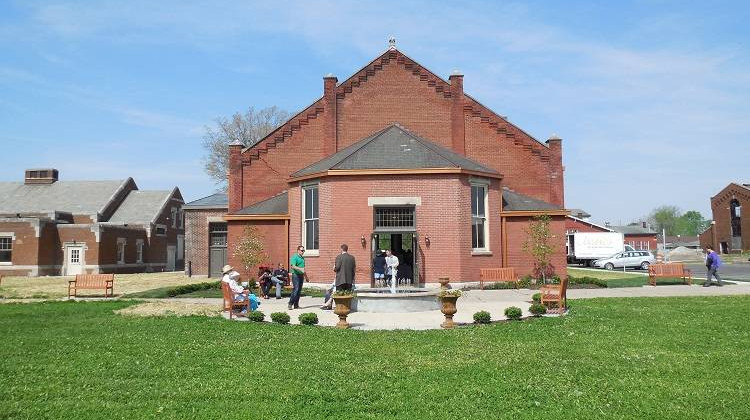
x,y
639,242
274,234
521,260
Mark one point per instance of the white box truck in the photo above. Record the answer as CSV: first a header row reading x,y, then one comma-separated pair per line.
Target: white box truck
x,y
585,247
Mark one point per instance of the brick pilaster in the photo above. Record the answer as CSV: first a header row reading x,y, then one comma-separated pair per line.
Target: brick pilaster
x,y
329,99
458,130
234,191
557,191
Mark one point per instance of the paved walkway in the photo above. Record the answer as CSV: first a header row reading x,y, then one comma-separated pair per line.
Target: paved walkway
x,y
492,301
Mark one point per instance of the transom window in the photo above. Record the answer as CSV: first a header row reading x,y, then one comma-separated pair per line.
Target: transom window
x,y
6,249
75,256
394,218
479,217
311,228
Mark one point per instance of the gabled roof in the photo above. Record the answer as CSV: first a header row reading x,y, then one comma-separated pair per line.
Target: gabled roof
x,y
513,201
141,207
278,204
76,197
633,230
441,86
393,148
214,201
579,213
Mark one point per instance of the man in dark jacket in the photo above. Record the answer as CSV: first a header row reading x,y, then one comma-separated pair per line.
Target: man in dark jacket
x,y
712,265
345,268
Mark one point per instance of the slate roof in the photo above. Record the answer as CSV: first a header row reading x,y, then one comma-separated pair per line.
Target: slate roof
x,y
513,201
76,197
140,207
214,201
278,204
393,148
633,230
579,213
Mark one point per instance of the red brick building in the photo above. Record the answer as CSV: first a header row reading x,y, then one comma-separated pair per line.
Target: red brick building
x,y
51,227
730,231
396,157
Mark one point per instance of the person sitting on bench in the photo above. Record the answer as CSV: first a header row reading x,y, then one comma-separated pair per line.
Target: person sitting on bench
x,y
277,278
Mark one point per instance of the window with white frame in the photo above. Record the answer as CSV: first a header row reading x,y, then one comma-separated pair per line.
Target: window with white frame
x,y
479,225
181,219
311,220
174,217
139,250
6,249
121,250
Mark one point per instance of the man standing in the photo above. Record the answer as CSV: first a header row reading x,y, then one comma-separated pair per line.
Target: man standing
x,y
391,264
345,267
297,265
712,265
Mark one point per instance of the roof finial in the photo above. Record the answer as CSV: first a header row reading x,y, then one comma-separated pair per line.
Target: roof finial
x,y
392,43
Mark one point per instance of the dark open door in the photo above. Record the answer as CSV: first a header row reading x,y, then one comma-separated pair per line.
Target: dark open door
x,y
416,252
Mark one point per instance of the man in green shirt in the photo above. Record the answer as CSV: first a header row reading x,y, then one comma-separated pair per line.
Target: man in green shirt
x,y
297,266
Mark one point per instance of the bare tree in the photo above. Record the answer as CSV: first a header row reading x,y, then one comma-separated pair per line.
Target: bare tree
x,y
248,128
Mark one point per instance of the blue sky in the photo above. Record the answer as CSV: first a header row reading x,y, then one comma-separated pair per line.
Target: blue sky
x,y
651,98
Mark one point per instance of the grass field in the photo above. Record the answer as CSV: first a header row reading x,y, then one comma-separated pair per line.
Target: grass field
x,y
666,358
618,278
54,287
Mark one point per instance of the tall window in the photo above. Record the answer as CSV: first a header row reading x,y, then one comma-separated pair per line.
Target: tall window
x,y
121,250
6,248
479,217
174,217
311,226
139,250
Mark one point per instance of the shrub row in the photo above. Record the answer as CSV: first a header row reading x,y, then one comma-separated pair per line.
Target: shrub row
x,y
190,288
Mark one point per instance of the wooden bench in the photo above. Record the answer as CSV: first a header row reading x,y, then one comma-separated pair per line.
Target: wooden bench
x,y
669,270
230,304
497,275
92,281
557,293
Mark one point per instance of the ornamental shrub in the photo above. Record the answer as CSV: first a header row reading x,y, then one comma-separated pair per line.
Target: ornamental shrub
x,y
525,282
513,313
256,316
536,297
537,309
280,318
482,317
308,318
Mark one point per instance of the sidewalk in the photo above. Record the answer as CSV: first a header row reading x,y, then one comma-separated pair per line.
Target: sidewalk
x,y
492,301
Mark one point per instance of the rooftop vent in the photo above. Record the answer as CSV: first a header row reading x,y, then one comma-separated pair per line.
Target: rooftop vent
x,y
41,176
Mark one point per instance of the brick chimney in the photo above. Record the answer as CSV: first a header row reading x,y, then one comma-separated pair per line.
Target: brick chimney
x,y
234,178
41,176
329,122
557,190
458,130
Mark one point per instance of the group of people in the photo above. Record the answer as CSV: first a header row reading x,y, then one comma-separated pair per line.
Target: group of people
x,y
385,266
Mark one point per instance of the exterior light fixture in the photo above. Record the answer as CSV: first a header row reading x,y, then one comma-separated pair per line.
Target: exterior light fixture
x,y
363,241
427,240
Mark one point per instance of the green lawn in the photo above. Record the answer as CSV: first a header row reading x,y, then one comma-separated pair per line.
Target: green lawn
x,y
618,278
666,358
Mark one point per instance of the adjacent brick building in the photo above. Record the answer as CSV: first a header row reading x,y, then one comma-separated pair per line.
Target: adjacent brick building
x,y
52,227
730,231
396,157
206,235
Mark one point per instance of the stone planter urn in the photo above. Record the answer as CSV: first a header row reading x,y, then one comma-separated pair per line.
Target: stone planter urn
x,y
448,308
444,282
342,309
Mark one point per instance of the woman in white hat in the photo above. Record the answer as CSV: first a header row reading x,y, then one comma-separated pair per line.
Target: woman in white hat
x,y
231,277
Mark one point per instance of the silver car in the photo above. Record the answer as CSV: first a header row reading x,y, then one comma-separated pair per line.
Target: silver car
x,y
627,259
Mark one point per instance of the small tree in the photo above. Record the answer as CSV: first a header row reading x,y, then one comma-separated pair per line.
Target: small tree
x,y
537,244
250,249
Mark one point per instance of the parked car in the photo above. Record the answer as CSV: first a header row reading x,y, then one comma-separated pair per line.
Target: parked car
x,y
627,259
